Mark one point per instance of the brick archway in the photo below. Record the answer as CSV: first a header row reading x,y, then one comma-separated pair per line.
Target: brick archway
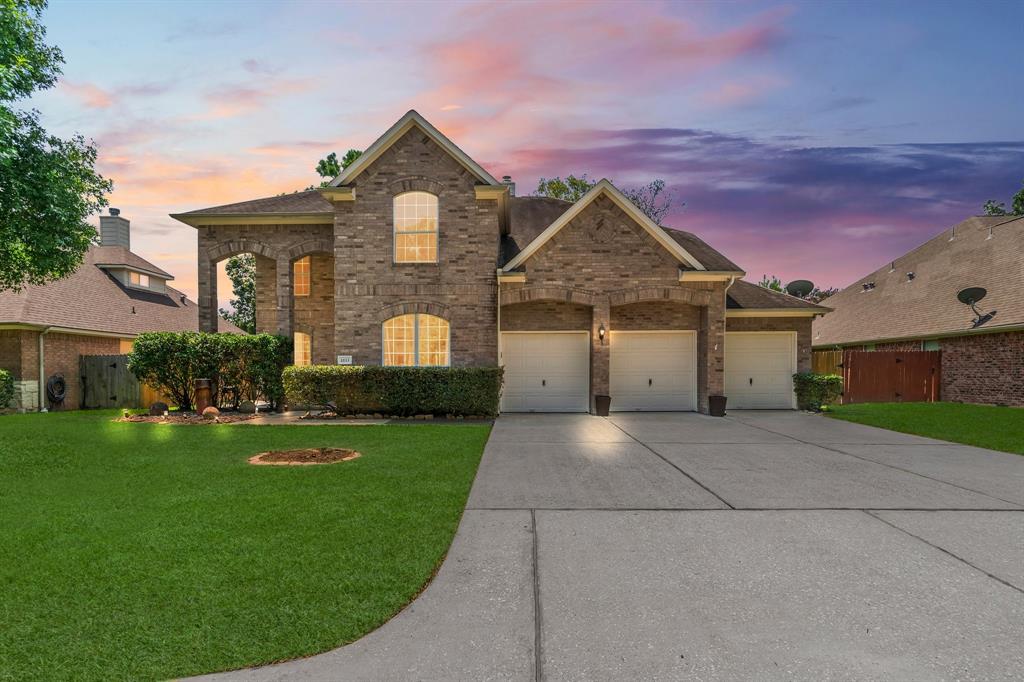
x,y
311,246
548,293
224,250
416,183
678,294
409,307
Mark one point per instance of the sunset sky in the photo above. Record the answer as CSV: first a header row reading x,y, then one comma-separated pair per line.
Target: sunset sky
x,y
809,140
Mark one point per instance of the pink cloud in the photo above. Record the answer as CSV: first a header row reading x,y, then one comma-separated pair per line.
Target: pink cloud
x,y
89,94
231,101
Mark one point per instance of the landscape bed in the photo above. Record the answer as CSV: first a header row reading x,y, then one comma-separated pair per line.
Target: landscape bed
x,y
984,426
138,551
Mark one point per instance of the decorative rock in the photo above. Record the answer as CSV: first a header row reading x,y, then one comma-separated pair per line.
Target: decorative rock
x,y
247,407
157,409
211,413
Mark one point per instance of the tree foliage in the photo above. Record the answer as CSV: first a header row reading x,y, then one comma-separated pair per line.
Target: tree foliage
x,y
651,199
241,270
816,296
48,186
993,207
330,167
771,282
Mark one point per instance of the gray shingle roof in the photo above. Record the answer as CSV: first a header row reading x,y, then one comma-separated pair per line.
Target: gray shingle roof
x,y
744,295
308,201
983,251
92,300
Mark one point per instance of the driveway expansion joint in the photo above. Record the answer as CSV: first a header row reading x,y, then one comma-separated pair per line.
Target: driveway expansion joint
x,y
946,551
670,463
538,672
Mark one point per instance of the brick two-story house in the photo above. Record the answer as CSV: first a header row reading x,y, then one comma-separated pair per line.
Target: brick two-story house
x,y
416,255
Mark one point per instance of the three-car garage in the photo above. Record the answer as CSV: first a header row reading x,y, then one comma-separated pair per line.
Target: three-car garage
x,y
650,371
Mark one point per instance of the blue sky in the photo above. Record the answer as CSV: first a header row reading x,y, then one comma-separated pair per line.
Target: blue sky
x,y
814,140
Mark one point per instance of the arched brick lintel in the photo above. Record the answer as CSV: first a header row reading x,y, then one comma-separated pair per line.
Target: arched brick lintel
x,y
678,294
416,183
409,307
311,246
549,293
236,247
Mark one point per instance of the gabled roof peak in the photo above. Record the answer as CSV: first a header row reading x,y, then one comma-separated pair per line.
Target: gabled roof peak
x,y
411,119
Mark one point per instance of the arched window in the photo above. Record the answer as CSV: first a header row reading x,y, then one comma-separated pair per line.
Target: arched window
x,y
416,340
415,227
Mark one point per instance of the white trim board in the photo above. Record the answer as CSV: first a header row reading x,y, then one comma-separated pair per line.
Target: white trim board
x,y
604,187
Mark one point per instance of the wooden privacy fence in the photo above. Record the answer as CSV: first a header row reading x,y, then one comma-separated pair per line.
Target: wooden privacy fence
x,y
827,362
891,376
106,382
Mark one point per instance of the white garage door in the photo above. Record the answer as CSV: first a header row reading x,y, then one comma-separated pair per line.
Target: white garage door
x,y
759,369
546,371
653,371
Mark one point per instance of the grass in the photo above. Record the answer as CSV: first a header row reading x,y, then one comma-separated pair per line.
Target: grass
x,y
143,551
985,426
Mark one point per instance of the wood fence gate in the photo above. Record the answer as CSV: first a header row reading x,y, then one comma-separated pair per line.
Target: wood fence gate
x,y
891,376
106,382
827,362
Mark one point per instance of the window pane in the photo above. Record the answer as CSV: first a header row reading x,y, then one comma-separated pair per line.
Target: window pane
x,y
400,341
303,348
415,227
433,340
300,270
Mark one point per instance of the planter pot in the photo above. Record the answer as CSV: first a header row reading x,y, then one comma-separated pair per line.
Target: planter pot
x,y
602,403
716,405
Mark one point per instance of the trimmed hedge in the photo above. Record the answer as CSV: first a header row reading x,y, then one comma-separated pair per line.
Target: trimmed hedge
x,y
171,361
6,388
813,391
396,391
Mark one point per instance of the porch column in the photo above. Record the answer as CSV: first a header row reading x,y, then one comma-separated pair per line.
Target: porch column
x,y
599,350
711,350
207,291
284,295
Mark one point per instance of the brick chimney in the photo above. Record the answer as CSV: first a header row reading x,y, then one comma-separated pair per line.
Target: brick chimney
x,y
115,230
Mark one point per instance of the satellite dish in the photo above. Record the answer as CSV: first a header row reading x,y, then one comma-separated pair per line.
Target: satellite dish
x,y
799,288
970,296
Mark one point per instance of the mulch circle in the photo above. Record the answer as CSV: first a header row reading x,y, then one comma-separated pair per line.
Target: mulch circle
x,y
304,456
186,418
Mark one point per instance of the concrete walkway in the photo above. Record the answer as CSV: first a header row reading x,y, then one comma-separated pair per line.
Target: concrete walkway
x,y
767,545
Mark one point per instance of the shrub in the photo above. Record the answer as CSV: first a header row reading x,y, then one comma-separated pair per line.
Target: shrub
x,y
171,362
6,388
816,390
398,391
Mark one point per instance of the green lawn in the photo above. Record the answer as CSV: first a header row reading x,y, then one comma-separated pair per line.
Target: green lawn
x,y
142,551
986,426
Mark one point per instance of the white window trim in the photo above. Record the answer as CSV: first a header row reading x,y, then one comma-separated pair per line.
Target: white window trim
x,y
415,341
436,231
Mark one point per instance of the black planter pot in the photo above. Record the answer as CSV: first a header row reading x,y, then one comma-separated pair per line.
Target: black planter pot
x,y
602,403
716,405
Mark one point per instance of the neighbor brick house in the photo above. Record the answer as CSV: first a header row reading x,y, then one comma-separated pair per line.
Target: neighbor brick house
x,y
416,255
911,304
97,310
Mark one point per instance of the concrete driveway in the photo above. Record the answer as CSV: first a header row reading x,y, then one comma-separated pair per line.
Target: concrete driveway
x,y
767,545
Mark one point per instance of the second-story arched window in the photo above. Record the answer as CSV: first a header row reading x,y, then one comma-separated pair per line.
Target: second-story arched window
x,y
415,227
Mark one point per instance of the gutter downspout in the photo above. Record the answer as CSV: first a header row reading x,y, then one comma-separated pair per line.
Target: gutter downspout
x,y
42,369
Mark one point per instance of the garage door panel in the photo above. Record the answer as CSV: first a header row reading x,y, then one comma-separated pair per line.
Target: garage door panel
x,y
759,370
546,372
653,371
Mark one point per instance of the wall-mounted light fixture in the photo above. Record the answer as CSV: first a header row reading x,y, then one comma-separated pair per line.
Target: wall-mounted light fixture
x,y
601,332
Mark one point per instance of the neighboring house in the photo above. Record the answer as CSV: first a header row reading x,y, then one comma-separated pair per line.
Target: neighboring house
x,y
416,255
911,304
98,310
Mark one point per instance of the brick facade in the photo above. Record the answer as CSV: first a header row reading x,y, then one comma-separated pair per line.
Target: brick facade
x,y
605,260
19,353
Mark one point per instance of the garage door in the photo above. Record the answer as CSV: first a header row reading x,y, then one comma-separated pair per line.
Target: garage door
x,y
759,370
653,371
546,372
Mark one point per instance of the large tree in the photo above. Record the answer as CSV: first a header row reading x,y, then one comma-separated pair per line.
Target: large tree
x,y
330,167
993,207
651,199
48,186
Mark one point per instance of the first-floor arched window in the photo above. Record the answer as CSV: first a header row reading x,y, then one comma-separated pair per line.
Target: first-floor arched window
x,y
416,340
